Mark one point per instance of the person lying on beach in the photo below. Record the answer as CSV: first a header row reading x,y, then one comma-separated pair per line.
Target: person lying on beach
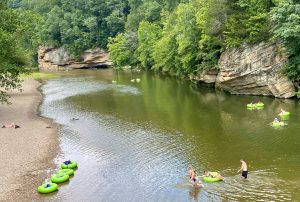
x,y
10,126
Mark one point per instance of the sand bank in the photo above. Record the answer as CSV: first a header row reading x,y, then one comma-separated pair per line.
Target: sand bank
x,y
26,153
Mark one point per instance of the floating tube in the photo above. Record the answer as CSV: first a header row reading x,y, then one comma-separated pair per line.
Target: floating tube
x,y
114,81
213,178
71,165
67,171
132,80
278,124
138,80
284,114
59,177
259,104
47,188
250,105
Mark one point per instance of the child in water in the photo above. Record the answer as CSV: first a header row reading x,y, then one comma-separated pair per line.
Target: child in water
x,y
193,177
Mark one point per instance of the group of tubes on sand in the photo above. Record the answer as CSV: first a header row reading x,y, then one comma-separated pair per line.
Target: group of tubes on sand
x,y
213,176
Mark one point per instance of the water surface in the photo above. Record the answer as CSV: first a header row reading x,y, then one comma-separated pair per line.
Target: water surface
x,y
134,141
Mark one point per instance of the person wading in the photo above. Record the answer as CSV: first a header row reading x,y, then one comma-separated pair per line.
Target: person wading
x,y
243,169
192,175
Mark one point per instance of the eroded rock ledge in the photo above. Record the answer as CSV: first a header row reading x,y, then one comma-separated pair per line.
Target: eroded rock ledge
x,y
255,70
57,58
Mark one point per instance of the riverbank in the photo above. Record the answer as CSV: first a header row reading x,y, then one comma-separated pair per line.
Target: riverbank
x,y
27,152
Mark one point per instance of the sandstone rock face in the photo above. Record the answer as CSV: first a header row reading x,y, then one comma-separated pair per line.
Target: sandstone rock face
x,y
58,58
255,70
207,77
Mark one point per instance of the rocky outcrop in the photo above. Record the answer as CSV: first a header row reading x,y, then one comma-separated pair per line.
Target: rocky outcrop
x,y
206,77
59,58
255,70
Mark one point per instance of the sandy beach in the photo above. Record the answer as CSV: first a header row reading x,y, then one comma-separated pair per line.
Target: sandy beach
x,y
26,153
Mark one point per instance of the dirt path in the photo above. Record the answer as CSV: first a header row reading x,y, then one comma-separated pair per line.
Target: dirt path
x,y
26,153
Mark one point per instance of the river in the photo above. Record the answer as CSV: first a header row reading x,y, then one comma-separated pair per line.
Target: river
x,y
135,141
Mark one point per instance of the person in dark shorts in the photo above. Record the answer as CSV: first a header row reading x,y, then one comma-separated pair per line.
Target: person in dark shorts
x,y
193,177
243,169
244,174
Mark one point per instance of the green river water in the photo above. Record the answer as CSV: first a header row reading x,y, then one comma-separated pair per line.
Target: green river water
x,y
134,141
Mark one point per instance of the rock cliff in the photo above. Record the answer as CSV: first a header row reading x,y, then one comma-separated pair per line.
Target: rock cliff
x,y
254,70
206,77
58,58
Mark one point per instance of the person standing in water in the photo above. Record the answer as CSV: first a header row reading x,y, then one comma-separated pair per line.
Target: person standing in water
x,y
243,169
192,175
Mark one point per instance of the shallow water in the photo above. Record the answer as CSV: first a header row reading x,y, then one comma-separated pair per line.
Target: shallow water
x,y
134,141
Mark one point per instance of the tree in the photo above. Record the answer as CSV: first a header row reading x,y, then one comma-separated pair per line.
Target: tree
x,y
148,11
248,22
286,27
148,34
120,51
12,56
165,50
187,38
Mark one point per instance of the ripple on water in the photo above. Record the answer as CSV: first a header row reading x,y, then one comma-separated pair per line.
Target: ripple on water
x,y
124,161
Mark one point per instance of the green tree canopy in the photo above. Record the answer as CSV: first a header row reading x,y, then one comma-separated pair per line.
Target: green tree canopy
x,y
13,57
286,27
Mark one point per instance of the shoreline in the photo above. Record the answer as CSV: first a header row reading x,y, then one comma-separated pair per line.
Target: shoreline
x,y
28,152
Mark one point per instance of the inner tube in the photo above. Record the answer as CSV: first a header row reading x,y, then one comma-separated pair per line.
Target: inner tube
x,y
285,114
250,105
114,81
71,165
277,124
67,171
59,177
259,104
47,188
211,179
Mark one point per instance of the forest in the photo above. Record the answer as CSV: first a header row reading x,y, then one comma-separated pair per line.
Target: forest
x,y
178,37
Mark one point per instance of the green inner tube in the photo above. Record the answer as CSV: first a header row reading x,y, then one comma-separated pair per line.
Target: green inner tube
x,y
251,105
285,114
73,164
67,171
214,177
59,177
45,190
277,124
211,179
259,104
